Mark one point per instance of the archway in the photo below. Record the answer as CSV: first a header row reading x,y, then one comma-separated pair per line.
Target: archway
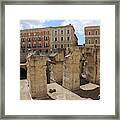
x,y
23,74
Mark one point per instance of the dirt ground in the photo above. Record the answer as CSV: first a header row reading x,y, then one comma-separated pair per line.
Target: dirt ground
x,y
93,94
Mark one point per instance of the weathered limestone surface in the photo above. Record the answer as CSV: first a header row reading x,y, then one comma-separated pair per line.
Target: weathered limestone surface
x,y
57,68
60,56
93,63
71,74
64,68
36,75
62,93
24,90
57,71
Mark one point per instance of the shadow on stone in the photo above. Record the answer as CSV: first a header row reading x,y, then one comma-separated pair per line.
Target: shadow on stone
x,y
93,94
46,98
83,81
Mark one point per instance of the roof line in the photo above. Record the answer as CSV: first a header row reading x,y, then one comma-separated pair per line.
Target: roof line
x,y
92,26
48,27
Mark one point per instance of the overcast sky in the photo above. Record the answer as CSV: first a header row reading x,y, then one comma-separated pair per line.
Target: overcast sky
x,y
78,25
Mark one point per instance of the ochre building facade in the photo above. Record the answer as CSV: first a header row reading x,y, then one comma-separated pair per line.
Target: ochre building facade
x,y
92,35
46,40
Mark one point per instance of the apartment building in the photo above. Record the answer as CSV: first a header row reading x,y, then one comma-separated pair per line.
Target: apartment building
x,y
46,40
63,37
92,35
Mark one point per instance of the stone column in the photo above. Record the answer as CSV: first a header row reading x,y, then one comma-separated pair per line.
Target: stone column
x,y
36,75
71,74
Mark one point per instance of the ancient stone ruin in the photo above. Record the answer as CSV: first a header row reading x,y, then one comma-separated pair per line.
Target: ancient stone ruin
x,y
92,63
71,70
65,67
36,75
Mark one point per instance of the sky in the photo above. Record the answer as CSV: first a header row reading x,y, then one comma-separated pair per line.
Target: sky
x,y
78,25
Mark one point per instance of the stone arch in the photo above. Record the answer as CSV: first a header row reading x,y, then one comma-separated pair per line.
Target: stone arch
x,y
23,73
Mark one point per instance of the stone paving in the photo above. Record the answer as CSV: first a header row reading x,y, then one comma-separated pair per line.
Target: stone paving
x,y
61,92
89,86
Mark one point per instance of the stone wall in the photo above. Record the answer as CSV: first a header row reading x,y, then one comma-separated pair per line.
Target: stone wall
x,y
92,56
71,70
56,68
36,75
57,72
63,67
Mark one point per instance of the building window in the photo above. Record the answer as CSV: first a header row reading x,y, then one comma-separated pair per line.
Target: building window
x,y
61,31
96,32
67,31
34,45
28,39
52,46
55,39
39,38
55,46
46,45
62,46
68,45
23,46
46,51
61,38
43,37
89,41
23,50
40,45
95,41
67,38
46,38
89,33
23,40
55,32
28,45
